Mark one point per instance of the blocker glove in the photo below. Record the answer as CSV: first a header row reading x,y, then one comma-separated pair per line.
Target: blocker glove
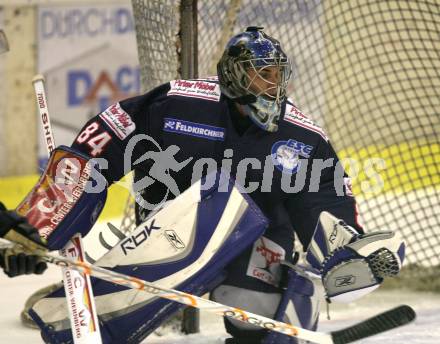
x,y
18,260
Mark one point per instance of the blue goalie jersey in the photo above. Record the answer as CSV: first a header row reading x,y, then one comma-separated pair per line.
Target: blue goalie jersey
x,y
181,130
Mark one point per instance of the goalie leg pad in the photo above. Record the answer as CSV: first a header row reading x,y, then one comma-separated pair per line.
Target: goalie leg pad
x,y
117,329
296,303
185,246
258,302
299,306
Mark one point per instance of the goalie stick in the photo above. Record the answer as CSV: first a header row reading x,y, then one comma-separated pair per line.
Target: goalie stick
x,y
388,320
80,294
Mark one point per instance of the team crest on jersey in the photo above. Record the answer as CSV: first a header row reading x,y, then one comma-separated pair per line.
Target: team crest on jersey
x,y
205,131
286,155
195,89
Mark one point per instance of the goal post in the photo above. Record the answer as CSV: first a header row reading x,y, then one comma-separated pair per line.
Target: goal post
x,y
166,34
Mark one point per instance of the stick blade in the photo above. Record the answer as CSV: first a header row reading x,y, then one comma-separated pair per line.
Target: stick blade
x,y
386,321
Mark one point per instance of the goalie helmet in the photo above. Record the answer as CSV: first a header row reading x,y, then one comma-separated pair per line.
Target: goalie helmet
x,y
254,71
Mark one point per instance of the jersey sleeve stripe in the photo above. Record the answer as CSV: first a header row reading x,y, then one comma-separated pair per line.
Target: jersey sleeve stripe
x,y
173,93
314,129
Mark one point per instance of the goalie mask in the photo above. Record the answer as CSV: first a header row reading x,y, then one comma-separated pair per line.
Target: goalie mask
x,y
254,71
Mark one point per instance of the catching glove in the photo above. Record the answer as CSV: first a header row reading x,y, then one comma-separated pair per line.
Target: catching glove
x,y
353,264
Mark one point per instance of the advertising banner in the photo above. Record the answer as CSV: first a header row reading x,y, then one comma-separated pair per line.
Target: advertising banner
x,y
88,56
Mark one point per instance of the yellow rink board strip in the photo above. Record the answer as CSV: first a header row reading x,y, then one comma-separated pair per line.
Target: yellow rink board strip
x,y
402,167
408,167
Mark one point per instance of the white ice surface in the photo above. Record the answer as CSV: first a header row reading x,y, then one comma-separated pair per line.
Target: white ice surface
x,y
425,330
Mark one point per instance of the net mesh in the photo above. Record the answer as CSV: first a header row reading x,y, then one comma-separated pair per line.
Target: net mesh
x,y
157,36
368,72
157,28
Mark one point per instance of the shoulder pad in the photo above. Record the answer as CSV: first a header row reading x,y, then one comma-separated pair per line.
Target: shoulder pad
x,y
294,116
208,89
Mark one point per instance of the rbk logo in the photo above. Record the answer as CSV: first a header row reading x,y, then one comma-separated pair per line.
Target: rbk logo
x,y
344,281
174,239
137,239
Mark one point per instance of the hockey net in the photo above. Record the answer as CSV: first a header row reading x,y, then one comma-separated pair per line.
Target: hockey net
x,y
367,71
157,28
